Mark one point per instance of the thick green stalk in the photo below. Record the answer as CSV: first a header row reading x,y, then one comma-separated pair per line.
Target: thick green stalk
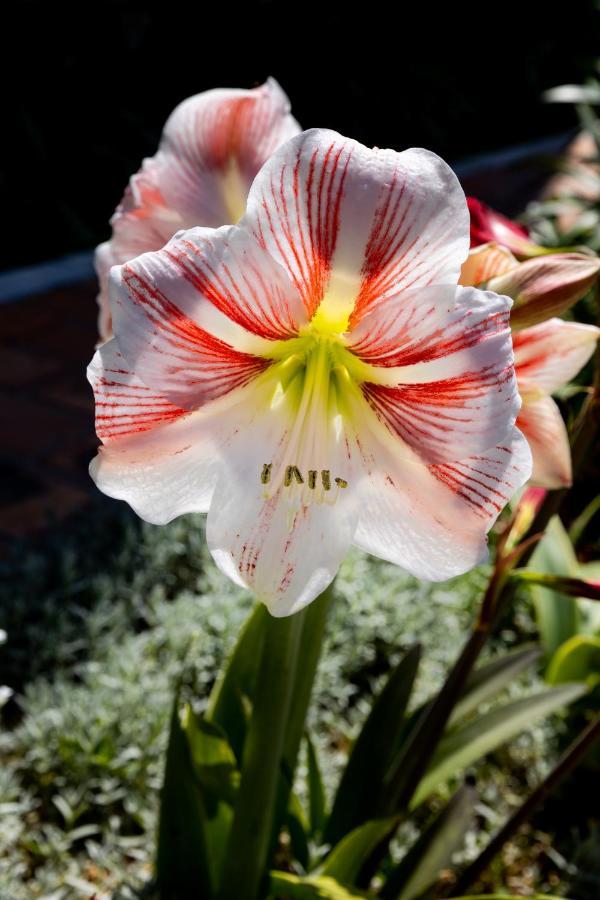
x,y
309,653
248,846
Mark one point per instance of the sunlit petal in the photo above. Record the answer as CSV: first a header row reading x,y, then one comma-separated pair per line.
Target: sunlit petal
x,y
484,262
549,355
284,510
433,520
354,226
543,426
192,317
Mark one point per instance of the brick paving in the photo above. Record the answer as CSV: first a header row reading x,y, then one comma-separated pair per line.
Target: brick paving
x,y
46,409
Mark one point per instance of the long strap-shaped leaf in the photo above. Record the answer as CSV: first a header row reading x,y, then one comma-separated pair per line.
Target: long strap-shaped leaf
x,y
227,706
358,795
421,866
569,759
348,857
283,884
463,747
183,867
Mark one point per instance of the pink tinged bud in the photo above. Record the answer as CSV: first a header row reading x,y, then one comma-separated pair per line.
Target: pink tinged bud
x,y
489,225
546,286
526,512
534,497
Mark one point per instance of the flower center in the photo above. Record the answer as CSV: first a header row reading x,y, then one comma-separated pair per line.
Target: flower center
x,y
312,380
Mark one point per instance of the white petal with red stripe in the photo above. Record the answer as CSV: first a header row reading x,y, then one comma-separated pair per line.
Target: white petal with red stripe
x,y
440,371
543,426
192,318
433,521
284,509
159,458
125,406
549,355
213,145
354,226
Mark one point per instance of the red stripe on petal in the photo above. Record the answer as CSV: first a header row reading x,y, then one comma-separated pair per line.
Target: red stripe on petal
x,y
298,216
447,419
485,482
191,360
396,256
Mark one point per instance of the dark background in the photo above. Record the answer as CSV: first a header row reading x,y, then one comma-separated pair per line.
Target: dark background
x,y
87,88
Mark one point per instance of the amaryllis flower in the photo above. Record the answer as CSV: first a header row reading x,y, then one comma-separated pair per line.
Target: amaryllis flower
x,y
314,377
548,354
212,146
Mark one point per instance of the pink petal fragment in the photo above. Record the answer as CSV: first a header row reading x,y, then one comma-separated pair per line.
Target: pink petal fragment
x,y
212,146
489,225
550,354
543,426
485,262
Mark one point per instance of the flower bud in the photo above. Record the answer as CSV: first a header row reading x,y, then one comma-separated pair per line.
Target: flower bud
x,y
488,225
546,286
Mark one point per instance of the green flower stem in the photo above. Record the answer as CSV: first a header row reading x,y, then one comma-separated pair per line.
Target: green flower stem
x,y
248,847
311,644
309,653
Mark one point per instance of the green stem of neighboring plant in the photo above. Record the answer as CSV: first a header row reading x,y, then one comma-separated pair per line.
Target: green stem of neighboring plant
x,y
252,826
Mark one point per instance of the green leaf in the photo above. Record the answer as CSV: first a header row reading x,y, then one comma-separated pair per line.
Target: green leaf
x,y
571,587
182,865
347,858
298,829
488,680
214,761
556,613
316,790
319,888
578,659
464,746
507,897
359,793
421,866
234,690
590,611
583,520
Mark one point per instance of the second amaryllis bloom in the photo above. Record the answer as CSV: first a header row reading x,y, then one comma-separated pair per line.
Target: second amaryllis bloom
x,y
314,377
212,146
